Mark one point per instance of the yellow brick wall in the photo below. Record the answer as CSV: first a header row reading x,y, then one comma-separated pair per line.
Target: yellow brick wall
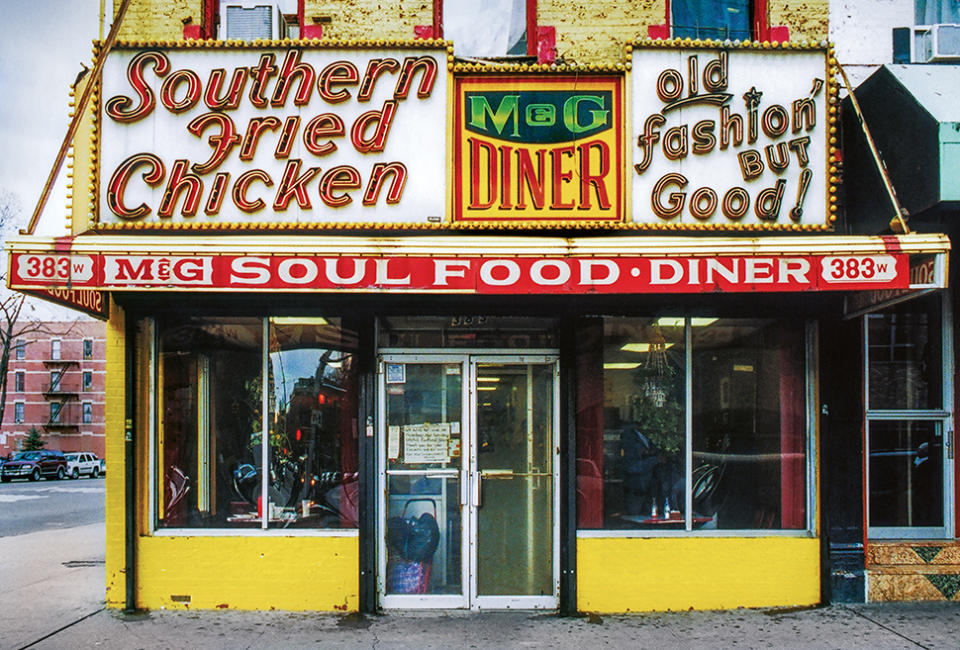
x,y
587,32
807,19
596,32
114,420
158,20
370,19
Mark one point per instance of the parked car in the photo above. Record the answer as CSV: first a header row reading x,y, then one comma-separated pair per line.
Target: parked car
x,y
34,464
103,466
82,462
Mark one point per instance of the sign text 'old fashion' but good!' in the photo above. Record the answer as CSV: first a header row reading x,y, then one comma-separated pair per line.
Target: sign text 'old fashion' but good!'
x,y
730,138
304,135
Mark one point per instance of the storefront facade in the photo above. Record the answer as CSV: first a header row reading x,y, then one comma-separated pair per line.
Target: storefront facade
x,y
390,329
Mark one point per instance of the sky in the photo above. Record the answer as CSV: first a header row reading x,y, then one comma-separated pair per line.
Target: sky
x,y
42,43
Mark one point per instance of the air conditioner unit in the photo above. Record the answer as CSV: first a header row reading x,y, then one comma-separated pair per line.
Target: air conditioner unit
x,y
933,43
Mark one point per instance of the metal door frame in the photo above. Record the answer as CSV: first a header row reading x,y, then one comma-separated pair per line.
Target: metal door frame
x,y
468,360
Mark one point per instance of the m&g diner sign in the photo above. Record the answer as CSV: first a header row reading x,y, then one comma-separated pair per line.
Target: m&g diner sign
x,y
344,137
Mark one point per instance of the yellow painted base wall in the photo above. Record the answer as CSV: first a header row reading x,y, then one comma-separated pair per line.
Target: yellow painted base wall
x,y
659,574
284,573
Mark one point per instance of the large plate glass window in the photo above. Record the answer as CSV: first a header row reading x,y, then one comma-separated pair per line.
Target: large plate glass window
x,y
692,424
222,383
909,430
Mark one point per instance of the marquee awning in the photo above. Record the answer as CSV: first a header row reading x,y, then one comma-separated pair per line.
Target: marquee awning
x,y
74,270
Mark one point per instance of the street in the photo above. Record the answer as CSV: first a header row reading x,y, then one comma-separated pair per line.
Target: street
x,y
52,550
27,507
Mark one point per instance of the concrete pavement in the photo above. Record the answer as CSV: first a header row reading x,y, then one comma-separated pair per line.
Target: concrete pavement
x,y
51,596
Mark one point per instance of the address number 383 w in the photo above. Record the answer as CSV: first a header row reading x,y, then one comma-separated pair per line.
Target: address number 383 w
x,y
859,268
54,268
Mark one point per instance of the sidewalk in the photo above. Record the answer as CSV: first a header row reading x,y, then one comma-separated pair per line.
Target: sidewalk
x,y
52,597
877,627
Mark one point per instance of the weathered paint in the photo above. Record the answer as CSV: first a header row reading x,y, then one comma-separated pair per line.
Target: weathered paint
x,y
596,32
159,20
672,573
369,19
807,20
257,572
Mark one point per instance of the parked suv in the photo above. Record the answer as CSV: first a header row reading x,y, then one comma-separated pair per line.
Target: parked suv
x,y
34,464
82,462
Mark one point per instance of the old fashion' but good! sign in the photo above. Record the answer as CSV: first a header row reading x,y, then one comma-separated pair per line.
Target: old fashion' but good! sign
x,y
730,137
273,136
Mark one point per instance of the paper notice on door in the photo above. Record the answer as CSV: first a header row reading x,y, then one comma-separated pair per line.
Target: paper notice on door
x,y
426,443
393,442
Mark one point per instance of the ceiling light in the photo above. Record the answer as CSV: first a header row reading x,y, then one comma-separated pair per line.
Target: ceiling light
x,y
620,366
642,347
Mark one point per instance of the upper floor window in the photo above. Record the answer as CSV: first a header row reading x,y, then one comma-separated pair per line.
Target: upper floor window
x,y
712,19
55,380
490,29
21,349
55,349
54,412
87,414
18,412
87,380
252,19
930,12
87,348
18,382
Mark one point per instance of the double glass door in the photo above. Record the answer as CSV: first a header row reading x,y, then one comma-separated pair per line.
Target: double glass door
x,y
468,481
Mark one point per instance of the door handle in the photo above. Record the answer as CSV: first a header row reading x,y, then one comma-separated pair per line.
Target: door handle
x,y
464,488
475,490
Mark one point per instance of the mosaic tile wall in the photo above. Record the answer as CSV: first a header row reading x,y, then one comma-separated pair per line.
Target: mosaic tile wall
x,y
913,571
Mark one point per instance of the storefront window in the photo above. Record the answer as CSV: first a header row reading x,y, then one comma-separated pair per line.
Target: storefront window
x,y
715,404
210,424
905,357
313,433
908,469
210,448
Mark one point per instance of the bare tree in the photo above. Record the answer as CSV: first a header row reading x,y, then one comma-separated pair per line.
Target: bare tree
x,y
17,322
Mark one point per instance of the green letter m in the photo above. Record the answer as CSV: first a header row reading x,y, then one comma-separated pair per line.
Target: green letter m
x,y
509,106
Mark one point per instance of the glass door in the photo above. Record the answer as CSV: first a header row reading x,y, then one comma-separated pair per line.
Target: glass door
x,y
468,457
421,540
514,486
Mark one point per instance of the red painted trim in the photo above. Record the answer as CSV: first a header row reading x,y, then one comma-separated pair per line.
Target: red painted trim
x,y
423,31
301,19
192,32
780,33
210,18
546,44
311,31
438,18
533,34
761,22
658,31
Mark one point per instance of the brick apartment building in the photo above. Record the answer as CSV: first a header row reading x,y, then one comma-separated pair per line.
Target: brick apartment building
x,y
55,383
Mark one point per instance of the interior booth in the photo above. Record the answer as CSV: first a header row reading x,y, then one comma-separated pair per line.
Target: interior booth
x,y
457,359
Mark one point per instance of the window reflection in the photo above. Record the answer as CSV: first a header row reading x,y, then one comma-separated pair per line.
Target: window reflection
x,y
312,445
905,359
